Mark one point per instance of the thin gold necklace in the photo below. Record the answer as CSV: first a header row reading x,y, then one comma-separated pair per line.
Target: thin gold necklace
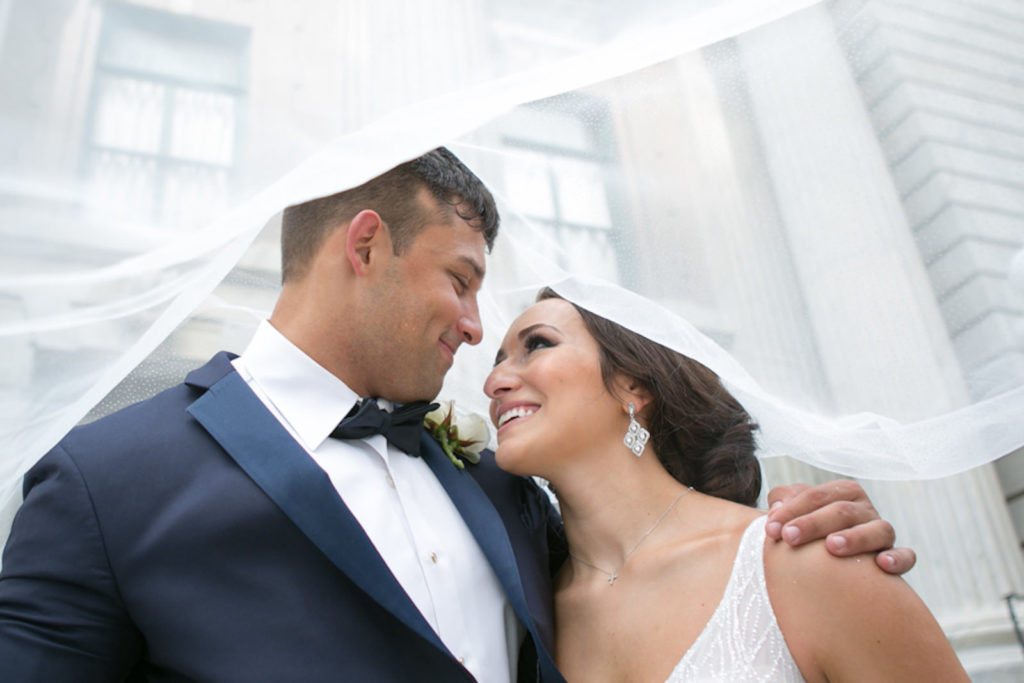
x,y
615,574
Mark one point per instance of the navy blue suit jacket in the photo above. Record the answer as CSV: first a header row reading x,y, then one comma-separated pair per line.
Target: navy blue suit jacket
x,y
188,537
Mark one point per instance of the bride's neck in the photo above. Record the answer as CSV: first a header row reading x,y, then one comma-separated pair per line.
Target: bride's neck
x,y
607,510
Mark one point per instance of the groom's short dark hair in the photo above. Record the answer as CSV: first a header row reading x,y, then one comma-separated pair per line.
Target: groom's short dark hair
x,y
395,196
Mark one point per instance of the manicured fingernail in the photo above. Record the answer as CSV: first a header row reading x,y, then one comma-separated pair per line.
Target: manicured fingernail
x,y
775,505
838,542
773,529
890,561
791,534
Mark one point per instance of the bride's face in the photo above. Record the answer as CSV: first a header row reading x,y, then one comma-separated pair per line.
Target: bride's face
x,y
548,400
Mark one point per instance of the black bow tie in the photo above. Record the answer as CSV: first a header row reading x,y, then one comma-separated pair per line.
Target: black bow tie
x,y
401,427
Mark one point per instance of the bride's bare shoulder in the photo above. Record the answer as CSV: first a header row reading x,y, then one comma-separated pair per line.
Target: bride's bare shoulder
x,y
845,616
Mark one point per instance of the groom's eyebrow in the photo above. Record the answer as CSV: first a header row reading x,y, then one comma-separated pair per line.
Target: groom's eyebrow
x,y
475,266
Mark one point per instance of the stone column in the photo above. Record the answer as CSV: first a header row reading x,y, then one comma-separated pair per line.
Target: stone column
x,y
881,340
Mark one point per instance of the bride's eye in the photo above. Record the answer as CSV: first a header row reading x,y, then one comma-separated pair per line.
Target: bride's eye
x,y
537,341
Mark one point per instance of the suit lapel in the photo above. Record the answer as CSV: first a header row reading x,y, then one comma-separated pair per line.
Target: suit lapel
x,y
236,418
483,521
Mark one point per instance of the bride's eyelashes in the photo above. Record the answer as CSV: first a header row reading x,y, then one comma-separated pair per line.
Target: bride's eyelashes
x,y
537,341
532,342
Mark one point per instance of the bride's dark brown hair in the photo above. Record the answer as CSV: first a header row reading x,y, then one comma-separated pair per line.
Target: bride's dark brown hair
x,y
702,435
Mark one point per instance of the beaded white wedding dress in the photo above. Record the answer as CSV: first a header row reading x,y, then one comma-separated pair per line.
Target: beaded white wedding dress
x,y
741,643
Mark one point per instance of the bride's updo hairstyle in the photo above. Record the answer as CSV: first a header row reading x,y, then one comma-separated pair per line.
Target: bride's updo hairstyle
x,y
702,435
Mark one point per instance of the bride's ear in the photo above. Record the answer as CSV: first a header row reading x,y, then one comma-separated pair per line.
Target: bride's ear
x,y
629,390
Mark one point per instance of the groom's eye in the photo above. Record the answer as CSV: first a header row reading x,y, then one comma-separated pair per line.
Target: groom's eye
x,y
461,284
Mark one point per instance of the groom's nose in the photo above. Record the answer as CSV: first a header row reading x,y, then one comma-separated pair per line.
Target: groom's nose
x,y
470,329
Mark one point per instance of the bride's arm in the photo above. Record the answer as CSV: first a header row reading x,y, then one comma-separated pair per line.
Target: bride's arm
x,y
845,620
840,512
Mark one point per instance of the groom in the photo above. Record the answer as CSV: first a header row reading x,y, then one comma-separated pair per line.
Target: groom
x,y
228,529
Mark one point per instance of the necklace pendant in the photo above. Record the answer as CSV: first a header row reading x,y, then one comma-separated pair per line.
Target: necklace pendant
x,y
612,577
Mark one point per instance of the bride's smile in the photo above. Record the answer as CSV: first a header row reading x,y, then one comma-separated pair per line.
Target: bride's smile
x,y
548,394
510,412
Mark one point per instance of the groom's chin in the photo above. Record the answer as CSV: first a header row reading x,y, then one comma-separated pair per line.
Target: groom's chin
x,y
426,389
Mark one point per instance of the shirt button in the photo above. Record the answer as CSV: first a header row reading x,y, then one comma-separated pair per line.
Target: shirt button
x,y
391,482
462,660
433,558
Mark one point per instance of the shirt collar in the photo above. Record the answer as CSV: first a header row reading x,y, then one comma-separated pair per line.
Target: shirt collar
x,y
310,398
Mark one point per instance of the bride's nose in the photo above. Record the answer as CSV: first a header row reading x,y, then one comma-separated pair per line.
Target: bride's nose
x,y
501,381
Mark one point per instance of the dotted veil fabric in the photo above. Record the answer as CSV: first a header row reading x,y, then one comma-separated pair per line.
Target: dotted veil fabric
x,y
772,188
741,643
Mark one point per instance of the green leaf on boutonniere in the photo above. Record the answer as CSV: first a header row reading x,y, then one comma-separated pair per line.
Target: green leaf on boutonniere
x,y
461,437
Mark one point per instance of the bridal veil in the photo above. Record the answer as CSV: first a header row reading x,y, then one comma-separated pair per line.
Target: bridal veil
x,y
821,201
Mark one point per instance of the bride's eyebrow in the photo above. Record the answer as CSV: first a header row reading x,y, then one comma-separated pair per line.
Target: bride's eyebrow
x,y
523,334
527,331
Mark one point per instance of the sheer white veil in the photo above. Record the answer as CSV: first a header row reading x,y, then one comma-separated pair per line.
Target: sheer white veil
x,y
770,188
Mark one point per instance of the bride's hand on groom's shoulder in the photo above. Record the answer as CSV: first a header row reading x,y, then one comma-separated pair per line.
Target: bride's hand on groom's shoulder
x,y
841,513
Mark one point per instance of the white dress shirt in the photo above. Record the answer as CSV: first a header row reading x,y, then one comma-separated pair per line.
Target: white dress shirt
x,y
401,506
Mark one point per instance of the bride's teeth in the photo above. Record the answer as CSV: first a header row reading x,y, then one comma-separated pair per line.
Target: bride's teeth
x,y
514,413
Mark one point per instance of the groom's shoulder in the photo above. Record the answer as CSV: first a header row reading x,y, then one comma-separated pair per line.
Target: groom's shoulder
x,y
487,473
524,493
149,424
496,482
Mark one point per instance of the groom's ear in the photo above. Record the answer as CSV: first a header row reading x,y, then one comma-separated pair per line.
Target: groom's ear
x,y
366,240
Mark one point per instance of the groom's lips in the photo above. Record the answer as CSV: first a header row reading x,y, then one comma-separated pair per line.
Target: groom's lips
x,y
447,350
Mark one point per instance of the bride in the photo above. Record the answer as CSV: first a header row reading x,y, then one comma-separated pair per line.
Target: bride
x,y
670,575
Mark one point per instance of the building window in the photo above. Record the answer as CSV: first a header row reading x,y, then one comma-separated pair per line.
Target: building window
x,y
163,132
557,176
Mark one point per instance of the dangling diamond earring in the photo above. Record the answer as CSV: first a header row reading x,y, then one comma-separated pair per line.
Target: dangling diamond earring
x,y
636,436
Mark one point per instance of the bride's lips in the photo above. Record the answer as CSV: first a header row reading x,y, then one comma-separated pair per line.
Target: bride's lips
x,y
512,412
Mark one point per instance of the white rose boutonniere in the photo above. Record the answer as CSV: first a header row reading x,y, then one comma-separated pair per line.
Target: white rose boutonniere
x,y
461,436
